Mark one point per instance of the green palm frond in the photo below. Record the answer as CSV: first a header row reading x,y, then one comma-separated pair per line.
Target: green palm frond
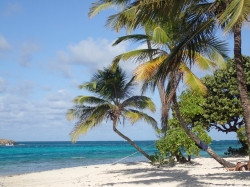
x,y
204,63
89,121
160,36
193,82
237,12
98,7
132,37
90,86
81,129
125,19
100,112
218,59
139,102
140,55
88,100
134,116
79,112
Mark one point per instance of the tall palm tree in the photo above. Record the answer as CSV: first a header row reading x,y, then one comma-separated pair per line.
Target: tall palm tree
x,y
113,100
232,14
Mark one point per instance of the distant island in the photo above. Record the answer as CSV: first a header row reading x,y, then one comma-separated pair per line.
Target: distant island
x,y
7,142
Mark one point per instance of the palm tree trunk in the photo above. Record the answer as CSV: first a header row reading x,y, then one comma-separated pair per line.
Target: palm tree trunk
x,y
241,79
196,139
130,141
165,106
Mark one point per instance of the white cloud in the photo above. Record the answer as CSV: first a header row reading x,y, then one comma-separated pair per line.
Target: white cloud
x,y
21,111
92,54
23,88
12,8
26,53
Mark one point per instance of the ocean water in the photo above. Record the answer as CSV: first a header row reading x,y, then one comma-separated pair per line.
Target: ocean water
x,y
29,157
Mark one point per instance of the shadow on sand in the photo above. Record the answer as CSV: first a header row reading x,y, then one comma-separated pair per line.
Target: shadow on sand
x,y
158,176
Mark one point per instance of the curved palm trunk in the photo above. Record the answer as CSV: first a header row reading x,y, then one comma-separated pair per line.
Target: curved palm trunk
x,y
197,140
241,79
130,141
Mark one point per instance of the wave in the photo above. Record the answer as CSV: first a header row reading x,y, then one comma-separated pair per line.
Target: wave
x,y
78,157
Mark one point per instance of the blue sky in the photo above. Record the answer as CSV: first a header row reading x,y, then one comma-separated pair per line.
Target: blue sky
x,y
48,48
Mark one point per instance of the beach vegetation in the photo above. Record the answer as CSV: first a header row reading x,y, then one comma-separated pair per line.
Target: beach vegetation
x,y
222,106
175,140
113,100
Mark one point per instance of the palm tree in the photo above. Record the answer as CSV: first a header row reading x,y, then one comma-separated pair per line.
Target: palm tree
x,y
113,101
187,44
147,71
232,15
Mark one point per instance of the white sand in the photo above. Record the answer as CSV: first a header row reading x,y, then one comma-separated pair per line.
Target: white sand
x,y
202,172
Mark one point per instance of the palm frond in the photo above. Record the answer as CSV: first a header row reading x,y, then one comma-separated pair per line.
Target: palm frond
x,y
204,63
90,86
147,70
132,37
87,122
237,12
134,116
125,19
81,129
160,36
139,102
88,100
192,81
79,112
140,55
219,60
98,7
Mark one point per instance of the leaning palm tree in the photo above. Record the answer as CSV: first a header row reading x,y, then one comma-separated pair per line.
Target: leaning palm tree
x,y
113,101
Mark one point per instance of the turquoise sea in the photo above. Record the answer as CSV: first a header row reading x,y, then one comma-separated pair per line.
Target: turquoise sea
x,y
29,157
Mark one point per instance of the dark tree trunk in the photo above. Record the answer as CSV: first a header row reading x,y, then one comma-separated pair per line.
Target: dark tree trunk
x,y
130,141
196,139
180,158
241,79
244,147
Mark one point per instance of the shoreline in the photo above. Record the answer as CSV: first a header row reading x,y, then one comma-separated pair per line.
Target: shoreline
x,y
11,174
200,172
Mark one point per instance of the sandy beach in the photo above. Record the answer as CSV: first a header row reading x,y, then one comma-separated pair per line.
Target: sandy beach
x,y
201,172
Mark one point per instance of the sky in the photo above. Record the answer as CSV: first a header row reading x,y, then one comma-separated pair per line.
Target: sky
x,y
48,48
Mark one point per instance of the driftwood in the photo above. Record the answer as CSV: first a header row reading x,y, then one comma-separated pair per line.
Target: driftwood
x,y
240,167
